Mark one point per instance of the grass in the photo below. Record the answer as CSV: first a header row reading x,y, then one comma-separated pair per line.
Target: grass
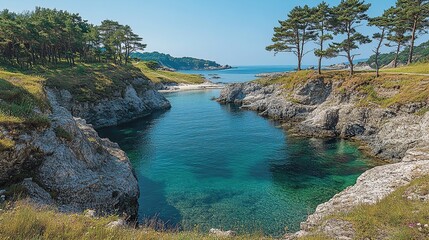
x,y
395,217
62,133
384,91
6,144
24,221
90,82
20,95
420,68
161,76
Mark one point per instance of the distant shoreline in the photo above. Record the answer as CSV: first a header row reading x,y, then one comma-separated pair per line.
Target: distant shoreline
x,y
192,87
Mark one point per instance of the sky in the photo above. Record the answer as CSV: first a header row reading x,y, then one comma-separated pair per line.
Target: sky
x,y
233,32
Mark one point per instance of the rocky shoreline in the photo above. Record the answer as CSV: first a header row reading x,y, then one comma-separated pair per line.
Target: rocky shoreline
x,y
316,108
68,166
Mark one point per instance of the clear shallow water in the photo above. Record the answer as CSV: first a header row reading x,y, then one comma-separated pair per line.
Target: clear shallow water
x,y
239,74
205,165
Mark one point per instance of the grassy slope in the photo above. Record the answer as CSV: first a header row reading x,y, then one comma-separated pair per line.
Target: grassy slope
x,y
24,221
385,91
159,76
21,92
420,68
395,217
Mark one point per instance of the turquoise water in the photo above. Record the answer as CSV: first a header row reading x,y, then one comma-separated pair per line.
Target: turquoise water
x,y
239,74
204,165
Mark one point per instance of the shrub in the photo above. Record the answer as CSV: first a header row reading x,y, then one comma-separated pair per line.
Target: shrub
x,y
62,133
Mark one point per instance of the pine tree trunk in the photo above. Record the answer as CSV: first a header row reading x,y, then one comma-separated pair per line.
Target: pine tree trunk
x,y
395,61
320,65
351,63
413,38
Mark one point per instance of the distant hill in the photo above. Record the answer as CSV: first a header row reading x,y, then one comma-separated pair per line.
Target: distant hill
x,y
421,53
183,63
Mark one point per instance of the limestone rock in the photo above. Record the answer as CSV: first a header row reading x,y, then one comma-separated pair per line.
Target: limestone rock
x,y
219,233
90,213
136,100
117,224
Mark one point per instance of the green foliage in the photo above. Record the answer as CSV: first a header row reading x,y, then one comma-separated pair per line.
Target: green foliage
x,y
321,23
162,76
184,63
45,36
421,53
20,95
294,32
62,133
90,82
345,19
415,14
153,65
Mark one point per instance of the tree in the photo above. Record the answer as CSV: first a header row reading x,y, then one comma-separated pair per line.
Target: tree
x,y
321,24
382,23
293,33
416,14
397,32
46,36
132,43
346,17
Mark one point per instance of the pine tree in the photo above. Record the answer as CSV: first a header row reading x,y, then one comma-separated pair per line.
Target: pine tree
x,y
345,19
397,35
321,24
293,33
382,23
416,13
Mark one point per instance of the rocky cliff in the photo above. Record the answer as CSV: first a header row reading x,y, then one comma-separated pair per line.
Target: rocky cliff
x,y
68,165
318,107
138,99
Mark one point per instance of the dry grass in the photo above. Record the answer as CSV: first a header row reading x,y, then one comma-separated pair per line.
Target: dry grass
x,y
24,221
384,91
6,144
394,217
20,95
421,68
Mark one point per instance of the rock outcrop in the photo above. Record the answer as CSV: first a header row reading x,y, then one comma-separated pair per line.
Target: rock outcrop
x,y
316,108
68,165
71,167
138,99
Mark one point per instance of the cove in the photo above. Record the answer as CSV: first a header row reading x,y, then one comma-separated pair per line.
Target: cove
x,y
203,165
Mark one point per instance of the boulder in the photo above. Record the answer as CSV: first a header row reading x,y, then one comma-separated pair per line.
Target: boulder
x,y
219,233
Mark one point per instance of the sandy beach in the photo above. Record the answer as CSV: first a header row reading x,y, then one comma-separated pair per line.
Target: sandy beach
x,y
191,87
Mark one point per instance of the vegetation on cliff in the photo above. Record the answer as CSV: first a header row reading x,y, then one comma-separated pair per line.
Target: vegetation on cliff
x,y
23,103
390,89
401,215
183,63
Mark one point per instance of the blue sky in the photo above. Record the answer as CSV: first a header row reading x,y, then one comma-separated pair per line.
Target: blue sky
x,y
231,32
